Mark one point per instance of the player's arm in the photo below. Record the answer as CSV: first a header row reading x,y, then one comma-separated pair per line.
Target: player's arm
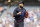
x,y
19,13
15,13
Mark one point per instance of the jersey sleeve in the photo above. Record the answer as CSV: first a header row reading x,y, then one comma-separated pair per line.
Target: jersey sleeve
x,y
14,13
25,11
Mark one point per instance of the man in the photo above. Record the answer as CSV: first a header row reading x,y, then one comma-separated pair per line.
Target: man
x,y
2,10
19,13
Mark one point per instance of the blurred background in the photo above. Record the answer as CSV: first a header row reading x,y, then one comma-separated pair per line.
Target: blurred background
x,y
6,11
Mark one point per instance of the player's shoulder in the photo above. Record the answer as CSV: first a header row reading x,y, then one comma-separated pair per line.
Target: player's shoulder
x,y
24,8
16,8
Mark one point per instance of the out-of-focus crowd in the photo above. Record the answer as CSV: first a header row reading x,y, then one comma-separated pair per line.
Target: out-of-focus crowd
x,y
34,18
6,19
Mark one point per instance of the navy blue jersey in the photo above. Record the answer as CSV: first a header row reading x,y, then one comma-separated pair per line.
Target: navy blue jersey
x,y
19,17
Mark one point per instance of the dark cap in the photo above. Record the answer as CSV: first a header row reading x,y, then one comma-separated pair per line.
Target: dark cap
x,y
21,2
